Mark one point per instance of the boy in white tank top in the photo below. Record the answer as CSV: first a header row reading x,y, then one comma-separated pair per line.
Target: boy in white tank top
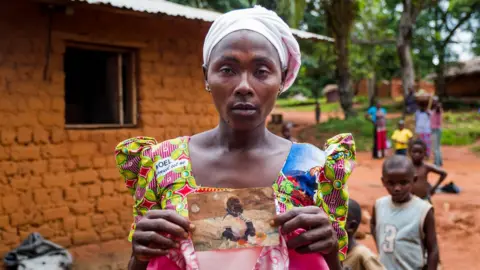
x,y
402,224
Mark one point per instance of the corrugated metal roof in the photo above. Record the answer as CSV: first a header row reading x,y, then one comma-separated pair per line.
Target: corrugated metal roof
x,y
173,9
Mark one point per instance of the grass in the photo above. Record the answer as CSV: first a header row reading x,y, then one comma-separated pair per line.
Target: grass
x,y
360,128
475,149
361,104
460,129
307,105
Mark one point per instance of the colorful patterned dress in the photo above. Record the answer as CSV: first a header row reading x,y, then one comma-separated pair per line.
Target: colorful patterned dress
x,y
159,176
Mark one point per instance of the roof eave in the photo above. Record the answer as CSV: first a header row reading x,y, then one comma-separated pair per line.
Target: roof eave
x,y
191,13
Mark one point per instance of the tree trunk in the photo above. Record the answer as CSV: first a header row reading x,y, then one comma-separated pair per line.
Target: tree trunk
x,y
440,85
404,41
371,82
440,68
343,76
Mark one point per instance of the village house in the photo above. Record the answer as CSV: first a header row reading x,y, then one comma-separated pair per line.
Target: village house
x,y
77,77
463,79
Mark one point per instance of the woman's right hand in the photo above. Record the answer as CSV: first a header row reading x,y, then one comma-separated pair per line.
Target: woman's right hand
x,y
158,232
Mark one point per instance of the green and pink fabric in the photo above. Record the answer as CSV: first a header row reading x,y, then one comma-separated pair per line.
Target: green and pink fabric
x,y
159,176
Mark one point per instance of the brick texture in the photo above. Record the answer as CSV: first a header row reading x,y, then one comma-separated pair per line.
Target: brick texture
x,y
63,182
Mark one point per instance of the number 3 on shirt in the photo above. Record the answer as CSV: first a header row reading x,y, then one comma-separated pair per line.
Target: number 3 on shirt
x,y
388,244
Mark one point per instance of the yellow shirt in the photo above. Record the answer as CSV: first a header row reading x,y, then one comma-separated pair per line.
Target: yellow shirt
x,y
401,137
362,258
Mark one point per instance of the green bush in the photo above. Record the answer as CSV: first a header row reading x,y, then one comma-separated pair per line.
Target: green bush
x,y
361,128
461,128
476,149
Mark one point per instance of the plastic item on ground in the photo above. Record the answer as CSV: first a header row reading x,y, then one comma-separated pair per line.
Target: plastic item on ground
x,y
37,253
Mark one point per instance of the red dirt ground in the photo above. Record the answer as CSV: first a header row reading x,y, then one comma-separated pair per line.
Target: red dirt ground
x,y
457,216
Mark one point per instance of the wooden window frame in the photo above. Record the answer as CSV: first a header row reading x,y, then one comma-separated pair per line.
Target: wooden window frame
x,y
133,78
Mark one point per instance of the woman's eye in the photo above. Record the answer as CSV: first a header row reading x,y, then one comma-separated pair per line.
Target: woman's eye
x,y
262,72
226,70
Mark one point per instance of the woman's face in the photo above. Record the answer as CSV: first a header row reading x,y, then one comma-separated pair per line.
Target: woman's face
x,y
244,76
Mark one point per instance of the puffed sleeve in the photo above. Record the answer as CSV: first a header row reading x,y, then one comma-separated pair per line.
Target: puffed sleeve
x,y
332,193
135,163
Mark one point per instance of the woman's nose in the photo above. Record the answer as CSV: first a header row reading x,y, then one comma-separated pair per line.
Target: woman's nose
x,y
243,88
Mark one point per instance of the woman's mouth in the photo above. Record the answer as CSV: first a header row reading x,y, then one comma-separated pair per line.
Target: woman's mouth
x,y
244,109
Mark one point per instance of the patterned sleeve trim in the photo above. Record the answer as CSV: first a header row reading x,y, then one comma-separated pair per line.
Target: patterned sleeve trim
x,y
135,164
332,183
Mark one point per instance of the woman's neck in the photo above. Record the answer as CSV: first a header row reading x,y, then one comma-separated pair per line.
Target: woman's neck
x,y
234,139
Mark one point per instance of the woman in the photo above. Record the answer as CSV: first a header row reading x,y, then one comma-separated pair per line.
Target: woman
x,y
250,57
377,115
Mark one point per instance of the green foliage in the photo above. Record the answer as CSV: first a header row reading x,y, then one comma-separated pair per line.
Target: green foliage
x,y
374,21
461,128
307,105
476,149
361,128
220,6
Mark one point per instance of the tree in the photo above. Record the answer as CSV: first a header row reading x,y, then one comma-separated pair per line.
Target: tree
x,y
340,17
372,37
411,9
449,17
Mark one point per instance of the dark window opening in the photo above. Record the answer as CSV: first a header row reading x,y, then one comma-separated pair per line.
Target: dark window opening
x,y
99,87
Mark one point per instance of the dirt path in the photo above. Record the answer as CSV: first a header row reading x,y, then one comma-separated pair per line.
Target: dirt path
x,y
308,118
457,216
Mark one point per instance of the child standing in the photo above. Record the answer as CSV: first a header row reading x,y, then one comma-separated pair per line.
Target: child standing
x,y
403,225
401,137
423,128
359,257
422,187
436,122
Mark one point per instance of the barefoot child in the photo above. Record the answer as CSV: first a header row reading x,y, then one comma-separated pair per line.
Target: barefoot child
x,y
403,225
401,137
422,187
359,257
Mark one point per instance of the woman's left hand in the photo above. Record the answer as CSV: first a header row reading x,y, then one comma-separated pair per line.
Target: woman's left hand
x,y
319,235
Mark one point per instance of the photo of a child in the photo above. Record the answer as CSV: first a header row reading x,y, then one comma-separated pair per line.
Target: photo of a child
x,y
233,219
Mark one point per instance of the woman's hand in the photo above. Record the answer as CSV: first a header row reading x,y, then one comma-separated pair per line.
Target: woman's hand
x,y
319,235
158,232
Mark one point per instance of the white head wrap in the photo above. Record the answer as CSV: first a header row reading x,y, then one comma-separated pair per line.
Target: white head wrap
x,y
264,22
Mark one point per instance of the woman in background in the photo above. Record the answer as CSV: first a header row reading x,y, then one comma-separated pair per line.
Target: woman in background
x,y
377,115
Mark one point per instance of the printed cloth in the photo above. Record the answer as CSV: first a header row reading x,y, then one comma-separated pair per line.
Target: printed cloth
x,y
427,139
159,176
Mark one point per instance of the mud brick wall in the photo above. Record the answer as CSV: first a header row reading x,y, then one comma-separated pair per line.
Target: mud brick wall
x,y
63,182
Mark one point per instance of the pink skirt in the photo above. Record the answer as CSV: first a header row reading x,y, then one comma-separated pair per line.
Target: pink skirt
x,y
241,260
